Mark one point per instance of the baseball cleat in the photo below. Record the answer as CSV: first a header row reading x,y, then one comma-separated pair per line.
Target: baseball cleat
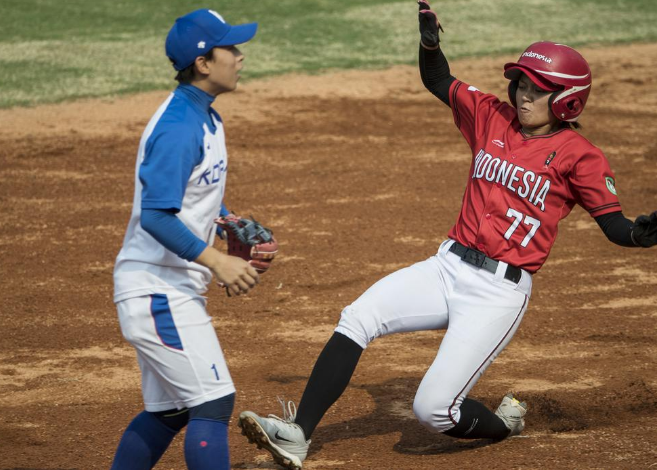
x,y
512,412
282,438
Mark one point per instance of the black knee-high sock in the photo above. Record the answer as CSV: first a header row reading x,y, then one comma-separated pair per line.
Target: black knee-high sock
x,y
328,380
478,422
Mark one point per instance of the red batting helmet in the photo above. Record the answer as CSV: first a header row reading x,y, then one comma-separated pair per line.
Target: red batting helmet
x,y
557,68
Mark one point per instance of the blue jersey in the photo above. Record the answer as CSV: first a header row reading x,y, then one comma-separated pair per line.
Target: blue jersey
x,y
181,167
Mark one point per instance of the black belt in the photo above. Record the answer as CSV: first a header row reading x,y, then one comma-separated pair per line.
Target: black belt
x,y
477,258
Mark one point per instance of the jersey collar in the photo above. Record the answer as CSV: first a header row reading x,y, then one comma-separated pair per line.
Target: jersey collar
x,y
197,96
542,136
518,128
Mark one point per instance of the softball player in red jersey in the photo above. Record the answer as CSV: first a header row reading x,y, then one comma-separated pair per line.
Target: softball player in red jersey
x,y
529,168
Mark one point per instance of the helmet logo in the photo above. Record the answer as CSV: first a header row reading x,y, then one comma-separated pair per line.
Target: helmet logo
x,y
534,55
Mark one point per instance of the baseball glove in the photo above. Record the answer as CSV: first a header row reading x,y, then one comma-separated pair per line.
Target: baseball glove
x,y
429,25
644,232
249,240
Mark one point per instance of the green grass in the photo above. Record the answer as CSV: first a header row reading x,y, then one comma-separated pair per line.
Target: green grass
x,y
54,50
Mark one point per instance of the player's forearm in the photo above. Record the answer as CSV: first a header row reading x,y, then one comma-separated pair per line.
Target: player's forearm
x,y
435,73
211,258
617,228
168,230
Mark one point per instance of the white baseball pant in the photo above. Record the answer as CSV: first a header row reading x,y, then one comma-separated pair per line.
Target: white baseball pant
x,y
181,361
480,310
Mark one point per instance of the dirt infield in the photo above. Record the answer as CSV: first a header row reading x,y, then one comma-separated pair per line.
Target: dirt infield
x,y
359,174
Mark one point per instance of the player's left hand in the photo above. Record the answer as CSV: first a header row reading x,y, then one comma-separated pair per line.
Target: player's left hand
x,y
249,240
429,26
644,232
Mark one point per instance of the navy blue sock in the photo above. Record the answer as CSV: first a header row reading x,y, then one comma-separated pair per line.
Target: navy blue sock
x,y
206,445
143,443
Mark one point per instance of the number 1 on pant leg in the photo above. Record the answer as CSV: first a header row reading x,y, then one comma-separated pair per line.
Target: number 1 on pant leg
x,y
216,372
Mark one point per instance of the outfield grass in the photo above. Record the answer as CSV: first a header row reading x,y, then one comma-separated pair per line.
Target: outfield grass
x,y
53,50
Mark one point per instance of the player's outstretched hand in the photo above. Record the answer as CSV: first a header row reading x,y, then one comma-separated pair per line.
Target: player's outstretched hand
x,y
429,26
644,232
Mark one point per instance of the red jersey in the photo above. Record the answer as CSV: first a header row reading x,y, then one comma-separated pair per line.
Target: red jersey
x,y
519,186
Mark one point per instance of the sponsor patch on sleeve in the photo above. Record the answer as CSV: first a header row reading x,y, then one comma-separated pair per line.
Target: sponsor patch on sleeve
x,y
611,185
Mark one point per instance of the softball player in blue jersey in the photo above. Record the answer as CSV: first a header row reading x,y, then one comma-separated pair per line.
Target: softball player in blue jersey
x,y
167,258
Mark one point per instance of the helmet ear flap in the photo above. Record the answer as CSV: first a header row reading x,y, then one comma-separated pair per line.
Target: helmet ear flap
x,y
513,87
575,106
567,109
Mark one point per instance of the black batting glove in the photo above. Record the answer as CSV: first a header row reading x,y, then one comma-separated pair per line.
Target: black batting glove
x,y
429,25
644,232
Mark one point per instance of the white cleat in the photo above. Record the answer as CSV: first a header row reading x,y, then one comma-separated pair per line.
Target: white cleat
x,y
282,438
512,412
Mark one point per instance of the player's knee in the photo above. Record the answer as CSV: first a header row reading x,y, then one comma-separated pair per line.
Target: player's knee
x,y
220,409
359,325
432,415
173,419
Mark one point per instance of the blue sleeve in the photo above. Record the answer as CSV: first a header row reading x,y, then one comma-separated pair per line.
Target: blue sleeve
x,y
172,151
168,230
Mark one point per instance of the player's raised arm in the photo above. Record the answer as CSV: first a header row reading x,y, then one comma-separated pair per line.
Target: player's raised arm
x,y
434,68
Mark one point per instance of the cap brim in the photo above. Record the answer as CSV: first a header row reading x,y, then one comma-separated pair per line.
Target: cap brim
x,y
238,34
513,71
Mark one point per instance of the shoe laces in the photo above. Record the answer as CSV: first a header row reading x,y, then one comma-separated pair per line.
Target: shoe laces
x,y
289,411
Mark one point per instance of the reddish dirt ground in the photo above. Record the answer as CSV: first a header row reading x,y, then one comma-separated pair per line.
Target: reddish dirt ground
x,y
359,174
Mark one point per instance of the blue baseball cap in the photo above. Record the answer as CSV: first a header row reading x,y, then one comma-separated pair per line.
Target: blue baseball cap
x,y
194,34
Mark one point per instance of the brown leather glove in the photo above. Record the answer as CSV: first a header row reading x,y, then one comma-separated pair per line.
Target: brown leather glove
x,y
249,240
